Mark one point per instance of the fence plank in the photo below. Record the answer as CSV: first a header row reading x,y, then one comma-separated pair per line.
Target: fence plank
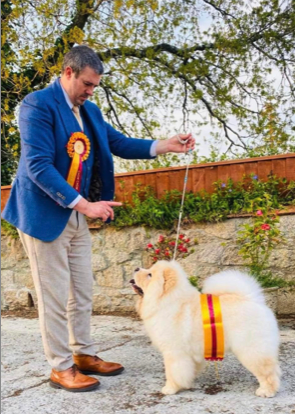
x,y
251,168
162,183
279,168
198,179
211,177
128,189
290,168
120,185
264,169
224,173
237,171
150,180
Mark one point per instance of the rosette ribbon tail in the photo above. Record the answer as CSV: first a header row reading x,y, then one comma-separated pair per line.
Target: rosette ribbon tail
x,y
75,172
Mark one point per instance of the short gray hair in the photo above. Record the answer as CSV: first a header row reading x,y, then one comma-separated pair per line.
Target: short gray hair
x,y
81,56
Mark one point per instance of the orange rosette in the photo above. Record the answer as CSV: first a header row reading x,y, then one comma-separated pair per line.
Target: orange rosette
x,y
78,149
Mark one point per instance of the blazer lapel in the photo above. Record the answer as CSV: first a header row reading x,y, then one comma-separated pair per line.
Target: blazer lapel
x,y
68,119
96,126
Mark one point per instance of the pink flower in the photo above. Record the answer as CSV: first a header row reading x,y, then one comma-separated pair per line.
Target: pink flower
x,y
265,226
181,236
161,238
157,251
259,213
172,243
187,240
149,246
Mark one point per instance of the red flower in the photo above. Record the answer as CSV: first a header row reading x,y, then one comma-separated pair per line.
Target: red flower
x,y
157,251
187,240
265,227
181,236
172,243
180,247
258,213
155,259
161,238
184,250
167,253
149,246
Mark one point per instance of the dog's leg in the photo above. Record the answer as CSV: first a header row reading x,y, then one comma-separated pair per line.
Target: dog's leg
x,y
180,372
266,370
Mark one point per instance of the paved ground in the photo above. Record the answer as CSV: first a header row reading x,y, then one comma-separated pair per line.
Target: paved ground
x,y
25,372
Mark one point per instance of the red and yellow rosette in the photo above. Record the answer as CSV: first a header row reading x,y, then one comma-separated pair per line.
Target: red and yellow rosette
x,y
78,148
213,328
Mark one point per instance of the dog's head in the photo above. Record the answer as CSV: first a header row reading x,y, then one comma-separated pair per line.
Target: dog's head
x,y
159,280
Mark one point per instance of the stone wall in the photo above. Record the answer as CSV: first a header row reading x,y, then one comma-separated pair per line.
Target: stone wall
x,y
116,253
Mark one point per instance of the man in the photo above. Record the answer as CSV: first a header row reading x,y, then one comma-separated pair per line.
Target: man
x,y
66,172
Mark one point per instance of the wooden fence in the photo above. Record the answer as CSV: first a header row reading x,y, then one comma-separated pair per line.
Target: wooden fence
x,y
201,176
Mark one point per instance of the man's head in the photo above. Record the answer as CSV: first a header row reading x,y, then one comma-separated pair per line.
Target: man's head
x,y
81,73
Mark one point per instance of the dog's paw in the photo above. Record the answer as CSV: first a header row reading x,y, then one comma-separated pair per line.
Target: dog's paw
x,y
169,390
265,393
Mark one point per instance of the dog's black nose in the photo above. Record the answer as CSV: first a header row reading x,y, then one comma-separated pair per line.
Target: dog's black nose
x,y
137,269
132,281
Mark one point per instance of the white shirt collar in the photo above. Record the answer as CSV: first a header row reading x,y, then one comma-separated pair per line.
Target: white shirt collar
x,y
67,98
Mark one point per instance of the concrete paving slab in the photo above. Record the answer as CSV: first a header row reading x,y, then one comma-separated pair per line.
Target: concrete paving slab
x,y
25,373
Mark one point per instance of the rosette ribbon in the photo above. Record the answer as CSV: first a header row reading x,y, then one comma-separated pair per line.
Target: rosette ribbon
x,y
213,328
78,149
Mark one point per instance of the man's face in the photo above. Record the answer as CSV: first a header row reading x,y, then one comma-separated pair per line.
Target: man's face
x,y
82,87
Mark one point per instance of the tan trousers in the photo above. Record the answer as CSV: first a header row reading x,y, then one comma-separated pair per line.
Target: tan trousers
x,y
63,281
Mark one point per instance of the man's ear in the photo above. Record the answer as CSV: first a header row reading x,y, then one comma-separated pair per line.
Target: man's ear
x,y
170,280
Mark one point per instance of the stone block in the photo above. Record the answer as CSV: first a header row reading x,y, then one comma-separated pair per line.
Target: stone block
x,y
209,253
224,230
99,262
138,240
23,279
230,256
7,278
15,299
111,277
286,301
282,258
10,298
98,240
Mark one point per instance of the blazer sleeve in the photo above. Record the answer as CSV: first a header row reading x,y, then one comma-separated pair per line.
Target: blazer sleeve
x,y
38,149
128,148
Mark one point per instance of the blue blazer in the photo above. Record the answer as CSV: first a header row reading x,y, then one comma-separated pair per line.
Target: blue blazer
x,y
40,193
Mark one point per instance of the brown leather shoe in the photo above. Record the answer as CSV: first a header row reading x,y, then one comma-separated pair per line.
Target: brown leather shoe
x,y
89,364
72,380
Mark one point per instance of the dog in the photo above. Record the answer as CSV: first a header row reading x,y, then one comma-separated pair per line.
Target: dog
x,y
171,311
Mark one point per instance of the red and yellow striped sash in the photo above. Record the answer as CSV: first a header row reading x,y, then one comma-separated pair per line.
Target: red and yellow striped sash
x,y
213,328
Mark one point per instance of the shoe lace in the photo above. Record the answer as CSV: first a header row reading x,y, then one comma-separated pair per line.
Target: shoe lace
x,y
75,369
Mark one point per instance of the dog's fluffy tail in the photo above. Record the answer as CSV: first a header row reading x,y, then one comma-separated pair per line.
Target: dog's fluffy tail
x,y
234,282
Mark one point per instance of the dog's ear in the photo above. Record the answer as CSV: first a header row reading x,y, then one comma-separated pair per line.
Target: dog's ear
x,y
170,280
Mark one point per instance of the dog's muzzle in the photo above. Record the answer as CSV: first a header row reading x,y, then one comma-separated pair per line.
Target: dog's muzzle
x,y
136,288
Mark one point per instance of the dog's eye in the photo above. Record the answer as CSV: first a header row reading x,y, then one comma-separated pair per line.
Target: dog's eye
x,y
149,275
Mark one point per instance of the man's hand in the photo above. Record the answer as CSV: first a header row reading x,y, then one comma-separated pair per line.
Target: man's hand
x,y
99,209
174,145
